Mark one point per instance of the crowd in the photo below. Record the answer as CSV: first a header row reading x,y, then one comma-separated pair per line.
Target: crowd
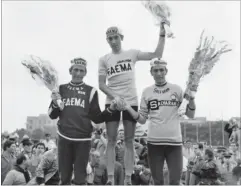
x,y
36,163
114,156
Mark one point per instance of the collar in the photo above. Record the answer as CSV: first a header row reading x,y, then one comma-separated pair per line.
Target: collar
x,y
161,85
76,84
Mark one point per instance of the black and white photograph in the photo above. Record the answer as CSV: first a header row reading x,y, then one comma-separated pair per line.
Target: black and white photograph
x,y
120,92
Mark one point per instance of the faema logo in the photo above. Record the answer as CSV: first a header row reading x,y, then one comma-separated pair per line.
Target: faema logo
x,y
155,104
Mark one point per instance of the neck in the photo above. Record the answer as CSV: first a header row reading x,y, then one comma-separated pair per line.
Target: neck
x,y
21,166
161,84
116,51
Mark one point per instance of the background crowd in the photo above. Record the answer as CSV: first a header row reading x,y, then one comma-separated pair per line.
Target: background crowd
x,y
26,161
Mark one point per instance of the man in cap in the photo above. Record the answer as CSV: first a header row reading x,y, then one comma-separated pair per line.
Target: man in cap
x,y
80,107
161,102
49,144
118,68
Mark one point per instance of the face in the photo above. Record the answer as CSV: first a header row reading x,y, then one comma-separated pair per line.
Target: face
x,y
121,135
188,144
104,133
34,150
40,149
114,42
94,159
159,74
47,138
226,159
196,150
233,147
12,148
78,72
27,148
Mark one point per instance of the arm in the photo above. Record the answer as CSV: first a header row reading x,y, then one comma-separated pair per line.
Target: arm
x,y
95,113
102,71
54,111
191,108
142,115
144,56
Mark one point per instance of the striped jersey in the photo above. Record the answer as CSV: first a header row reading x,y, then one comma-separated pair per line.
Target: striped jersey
x,y
160,104
119,70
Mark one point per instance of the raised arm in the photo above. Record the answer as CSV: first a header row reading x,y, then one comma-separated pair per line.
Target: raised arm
x,y
191,108
146,56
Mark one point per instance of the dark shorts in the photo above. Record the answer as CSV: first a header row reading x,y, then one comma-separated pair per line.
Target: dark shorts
x,y
125,115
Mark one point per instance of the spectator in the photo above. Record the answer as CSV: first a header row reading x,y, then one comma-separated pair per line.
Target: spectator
x,y
8,158
237,172
36,158
188,149
27,147
101,145
47,171
205,172
49,143
100,170
192,161
19,175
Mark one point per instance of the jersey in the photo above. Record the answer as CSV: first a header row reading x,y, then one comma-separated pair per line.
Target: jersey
x,y
161,105
119,70
81,106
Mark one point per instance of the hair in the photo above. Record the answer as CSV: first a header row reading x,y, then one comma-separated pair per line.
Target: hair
x,y
20,158
209,153
70,69
40,144
200,146
165,69
8,144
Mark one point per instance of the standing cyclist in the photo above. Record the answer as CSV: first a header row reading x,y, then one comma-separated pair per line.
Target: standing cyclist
x,y
81,106
118,67
161,102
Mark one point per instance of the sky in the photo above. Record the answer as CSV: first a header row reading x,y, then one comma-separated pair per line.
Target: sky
x,y
60,31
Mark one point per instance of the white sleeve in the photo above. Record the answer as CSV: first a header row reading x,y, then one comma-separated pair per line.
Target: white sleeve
x,y
102,67
144,111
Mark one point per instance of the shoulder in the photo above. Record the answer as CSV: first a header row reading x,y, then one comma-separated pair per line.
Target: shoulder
x,y
132,51
104,58
93,90
175,87
63,85
148,89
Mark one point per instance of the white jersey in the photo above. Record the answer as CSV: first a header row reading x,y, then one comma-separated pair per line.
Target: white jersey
x,y
119,70
161,104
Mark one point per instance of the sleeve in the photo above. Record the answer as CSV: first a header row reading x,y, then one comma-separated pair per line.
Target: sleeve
x,y
10,178
144,110
181,94
135,54
102,67
54,111
40,170
95,113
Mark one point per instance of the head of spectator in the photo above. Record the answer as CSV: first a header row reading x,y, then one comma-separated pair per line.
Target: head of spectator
x,y
47,136
143,141
40,148
34,149
121,134
9,147
227,156
209,155
94,158
23,161
104,133
188,144
27,145
198,149
234,147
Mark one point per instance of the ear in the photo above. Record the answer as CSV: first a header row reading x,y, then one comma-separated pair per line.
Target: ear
x,y
166,71
122,37
70,71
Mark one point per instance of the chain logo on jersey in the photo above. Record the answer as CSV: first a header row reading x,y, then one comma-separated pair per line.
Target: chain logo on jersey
x,y
122,66
74,102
